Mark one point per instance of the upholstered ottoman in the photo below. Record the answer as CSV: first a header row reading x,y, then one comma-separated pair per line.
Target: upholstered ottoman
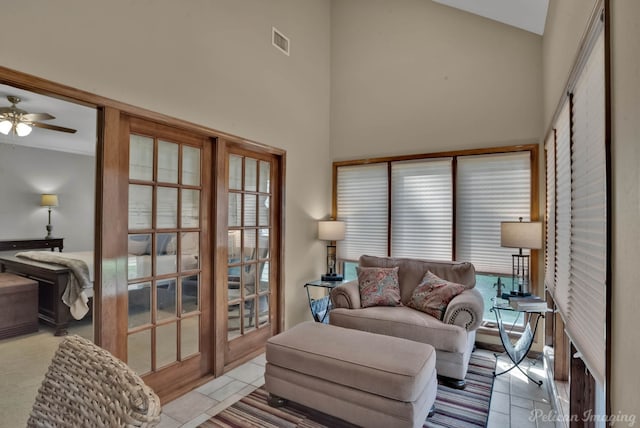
x,y
367,379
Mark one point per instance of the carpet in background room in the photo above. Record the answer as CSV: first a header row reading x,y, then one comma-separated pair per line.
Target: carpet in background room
x,y
454,407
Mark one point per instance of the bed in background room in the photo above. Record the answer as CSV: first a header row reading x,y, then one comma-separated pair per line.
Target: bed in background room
x,y
65,283
66,280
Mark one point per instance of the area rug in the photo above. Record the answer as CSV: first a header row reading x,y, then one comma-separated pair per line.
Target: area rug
x,y
454,408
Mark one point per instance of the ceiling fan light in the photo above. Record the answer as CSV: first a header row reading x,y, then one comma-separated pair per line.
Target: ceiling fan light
x,y
5,127
22,129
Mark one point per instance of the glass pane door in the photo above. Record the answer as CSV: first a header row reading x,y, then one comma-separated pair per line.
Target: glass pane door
x,y
249,231
165,238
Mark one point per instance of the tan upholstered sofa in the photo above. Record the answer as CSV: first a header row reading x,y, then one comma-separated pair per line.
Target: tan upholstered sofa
x,y
453,337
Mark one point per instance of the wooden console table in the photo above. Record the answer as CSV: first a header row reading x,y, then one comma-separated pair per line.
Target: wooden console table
x,y
31,244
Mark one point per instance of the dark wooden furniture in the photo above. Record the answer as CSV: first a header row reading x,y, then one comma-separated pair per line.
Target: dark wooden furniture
x,y
18,305
31,244
52,281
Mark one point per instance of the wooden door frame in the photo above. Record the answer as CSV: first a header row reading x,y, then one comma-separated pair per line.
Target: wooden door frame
x,y
111,285
240,354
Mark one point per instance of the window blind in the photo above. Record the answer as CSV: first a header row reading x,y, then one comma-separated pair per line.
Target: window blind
x,y
362,198
490,189
560,291
588,265
550,223
422,209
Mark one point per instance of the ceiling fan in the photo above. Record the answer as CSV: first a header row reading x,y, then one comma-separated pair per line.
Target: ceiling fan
x,y
20,122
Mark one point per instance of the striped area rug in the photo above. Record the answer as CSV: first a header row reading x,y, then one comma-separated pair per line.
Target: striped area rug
x,y
454,408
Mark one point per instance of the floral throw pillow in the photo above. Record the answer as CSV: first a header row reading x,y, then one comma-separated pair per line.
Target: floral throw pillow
x,y
434,294
378,286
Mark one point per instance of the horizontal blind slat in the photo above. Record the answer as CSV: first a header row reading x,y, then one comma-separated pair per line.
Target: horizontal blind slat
x,y
563,210
490,189
422,209
362,203
588,264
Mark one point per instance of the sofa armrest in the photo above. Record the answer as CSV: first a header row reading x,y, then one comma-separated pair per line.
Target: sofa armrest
x,y
346,296
465,310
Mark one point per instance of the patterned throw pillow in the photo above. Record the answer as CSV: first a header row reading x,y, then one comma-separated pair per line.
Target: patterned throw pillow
x,y
378,286
434,294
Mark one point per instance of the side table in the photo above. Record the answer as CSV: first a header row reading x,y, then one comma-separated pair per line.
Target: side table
x,y
517,351
320,307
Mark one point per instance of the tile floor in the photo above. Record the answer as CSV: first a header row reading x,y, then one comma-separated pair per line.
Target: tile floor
x,y
199,405
516,402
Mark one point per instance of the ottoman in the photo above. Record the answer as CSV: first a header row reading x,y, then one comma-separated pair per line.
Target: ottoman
x,y
364,378
18,305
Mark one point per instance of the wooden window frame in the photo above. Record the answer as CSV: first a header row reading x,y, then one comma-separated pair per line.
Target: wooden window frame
x,y
533,149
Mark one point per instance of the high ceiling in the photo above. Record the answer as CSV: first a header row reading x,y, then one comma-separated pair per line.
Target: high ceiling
x,y
529,15
68,115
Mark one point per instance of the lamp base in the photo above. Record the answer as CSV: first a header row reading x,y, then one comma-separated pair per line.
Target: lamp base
x,y
49,229
331,277
520,293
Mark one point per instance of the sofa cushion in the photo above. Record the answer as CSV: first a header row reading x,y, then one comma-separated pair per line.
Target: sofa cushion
x,y
404,322
378,286
411,271
433,295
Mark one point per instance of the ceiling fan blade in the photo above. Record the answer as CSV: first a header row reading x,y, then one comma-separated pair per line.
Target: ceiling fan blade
x,y
37,116
53,127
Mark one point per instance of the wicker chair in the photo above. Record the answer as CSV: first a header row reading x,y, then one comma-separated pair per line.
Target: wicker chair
x,y
86,386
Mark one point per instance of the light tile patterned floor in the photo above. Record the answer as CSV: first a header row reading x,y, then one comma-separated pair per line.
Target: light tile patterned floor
x,y
516,401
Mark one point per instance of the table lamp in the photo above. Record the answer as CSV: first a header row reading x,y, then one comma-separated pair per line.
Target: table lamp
x,y
49,200
331,230
520,234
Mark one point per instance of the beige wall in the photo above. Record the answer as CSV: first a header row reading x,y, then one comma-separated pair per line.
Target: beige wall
x,y
413,76
566,23
625,82
210,62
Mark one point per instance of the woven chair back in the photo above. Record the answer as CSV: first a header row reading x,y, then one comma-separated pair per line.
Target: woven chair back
x,y
86,386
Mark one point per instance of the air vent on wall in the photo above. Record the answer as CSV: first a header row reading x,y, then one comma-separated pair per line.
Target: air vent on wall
x,y
280,41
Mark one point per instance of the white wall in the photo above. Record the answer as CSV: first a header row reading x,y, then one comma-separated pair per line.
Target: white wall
x,y
566,23
209,62
25,173
413,76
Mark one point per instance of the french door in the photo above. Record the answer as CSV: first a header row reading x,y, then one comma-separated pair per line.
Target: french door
x,y
252,233
169,277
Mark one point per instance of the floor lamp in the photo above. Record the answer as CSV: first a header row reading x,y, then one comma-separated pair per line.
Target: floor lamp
x,y
331,230
520,234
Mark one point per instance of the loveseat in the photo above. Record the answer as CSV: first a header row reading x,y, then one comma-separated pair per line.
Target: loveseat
x,y
453,336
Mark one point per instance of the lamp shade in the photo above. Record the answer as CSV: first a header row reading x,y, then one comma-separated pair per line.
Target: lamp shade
x,y
331,230
23,129
48,200
521,234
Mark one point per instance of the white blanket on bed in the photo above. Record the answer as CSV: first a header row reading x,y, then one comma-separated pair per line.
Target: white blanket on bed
x,y
81,278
